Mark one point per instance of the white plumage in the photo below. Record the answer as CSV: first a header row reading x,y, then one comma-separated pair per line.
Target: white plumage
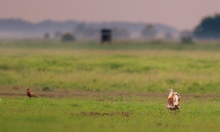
x,y
173,102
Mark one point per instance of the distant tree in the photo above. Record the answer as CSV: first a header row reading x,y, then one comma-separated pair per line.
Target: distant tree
x,y
186,37
149,32
209,28
67,37
46,35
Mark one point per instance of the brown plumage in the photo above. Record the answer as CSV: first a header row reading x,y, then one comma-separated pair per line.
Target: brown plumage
x,y
30,94
173,102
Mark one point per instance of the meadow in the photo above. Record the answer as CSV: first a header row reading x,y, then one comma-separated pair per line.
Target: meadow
x,y
86,86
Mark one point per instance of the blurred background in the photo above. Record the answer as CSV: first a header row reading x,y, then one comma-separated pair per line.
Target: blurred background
x,y
83,20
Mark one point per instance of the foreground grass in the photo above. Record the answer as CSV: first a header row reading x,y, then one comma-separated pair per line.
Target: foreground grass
x,y
41,114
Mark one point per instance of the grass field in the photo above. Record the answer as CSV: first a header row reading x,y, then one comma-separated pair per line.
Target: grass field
x,y
118,87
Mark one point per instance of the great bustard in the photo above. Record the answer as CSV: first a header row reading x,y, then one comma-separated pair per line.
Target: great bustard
x,y
173,102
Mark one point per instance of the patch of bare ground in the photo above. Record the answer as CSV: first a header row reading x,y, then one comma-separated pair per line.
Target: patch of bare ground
x,y
16,91
92,114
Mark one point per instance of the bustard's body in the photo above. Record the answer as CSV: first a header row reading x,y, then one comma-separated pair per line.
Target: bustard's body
x,y
173,102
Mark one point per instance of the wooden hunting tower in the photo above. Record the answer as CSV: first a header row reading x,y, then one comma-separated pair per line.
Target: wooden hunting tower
x,y
106,35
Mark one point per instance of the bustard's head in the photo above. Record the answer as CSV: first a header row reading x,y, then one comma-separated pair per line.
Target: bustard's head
x,y
170,96
170,90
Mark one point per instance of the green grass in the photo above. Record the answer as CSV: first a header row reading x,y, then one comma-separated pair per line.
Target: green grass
x,y
41,114
81,67
133,68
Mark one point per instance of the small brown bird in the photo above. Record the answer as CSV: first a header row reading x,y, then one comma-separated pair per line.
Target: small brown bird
x,y
173,102
30,94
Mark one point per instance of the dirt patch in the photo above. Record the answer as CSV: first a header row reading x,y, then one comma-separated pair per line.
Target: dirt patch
x,y
97,95
92,114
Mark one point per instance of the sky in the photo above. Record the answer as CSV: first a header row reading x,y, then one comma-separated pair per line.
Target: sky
x,y
181,14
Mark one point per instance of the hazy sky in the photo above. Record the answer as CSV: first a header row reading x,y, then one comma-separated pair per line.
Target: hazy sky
x,y
182,14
